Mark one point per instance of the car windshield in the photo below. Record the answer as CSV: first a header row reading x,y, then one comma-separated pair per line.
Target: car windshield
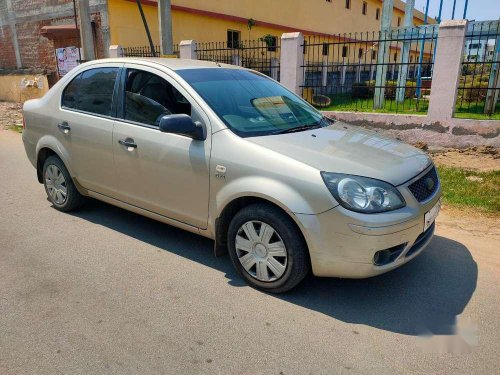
x,y
251,104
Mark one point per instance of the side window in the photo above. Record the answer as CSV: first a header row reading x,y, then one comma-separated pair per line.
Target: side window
x,y
149,97
91,91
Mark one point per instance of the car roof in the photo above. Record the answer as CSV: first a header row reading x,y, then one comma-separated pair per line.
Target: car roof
x,y
170,63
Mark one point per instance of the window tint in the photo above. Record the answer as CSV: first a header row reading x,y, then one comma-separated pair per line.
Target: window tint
x,y
91,91
149,97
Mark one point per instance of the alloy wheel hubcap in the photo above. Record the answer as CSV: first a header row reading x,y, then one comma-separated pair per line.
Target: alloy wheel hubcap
x,y
261,251
56,184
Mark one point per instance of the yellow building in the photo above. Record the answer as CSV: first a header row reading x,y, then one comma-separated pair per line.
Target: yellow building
x,y
227,20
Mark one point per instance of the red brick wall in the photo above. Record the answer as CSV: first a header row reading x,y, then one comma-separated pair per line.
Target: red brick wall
x,y
36,50
7,53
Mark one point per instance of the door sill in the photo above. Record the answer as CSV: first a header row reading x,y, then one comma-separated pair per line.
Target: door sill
x,y
147,213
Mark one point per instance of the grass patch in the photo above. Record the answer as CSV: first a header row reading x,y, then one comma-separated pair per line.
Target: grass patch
x,y
475,111
17,129
345,102
471,189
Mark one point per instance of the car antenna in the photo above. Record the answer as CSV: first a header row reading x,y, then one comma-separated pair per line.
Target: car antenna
x,y
216,62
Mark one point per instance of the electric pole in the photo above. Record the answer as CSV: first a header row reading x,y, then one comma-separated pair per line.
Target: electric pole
x,y
86,34
165,22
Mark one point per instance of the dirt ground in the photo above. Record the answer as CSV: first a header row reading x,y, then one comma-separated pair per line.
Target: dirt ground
x,y
10,114
482,159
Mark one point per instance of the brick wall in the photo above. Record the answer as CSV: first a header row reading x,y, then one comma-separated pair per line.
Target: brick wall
x,y
35,49
7,53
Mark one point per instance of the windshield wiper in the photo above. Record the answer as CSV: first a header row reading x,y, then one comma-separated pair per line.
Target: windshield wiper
x,y
298,129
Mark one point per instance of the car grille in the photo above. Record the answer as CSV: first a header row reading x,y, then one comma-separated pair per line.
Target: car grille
x,y
426,186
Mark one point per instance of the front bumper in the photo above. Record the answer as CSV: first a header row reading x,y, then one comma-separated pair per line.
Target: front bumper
x,y
344,243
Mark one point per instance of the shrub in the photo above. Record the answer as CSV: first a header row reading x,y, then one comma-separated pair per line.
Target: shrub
x,y
474,91
362,90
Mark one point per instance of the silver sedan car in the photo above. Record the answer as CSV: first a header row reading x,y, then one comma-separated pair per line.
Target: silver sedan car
x,y
232,155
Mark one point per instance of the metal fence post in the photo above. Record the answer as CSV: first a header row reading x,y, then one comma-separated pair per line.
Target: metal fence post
x,y
447,69
187,50
292,61
405,53
383,54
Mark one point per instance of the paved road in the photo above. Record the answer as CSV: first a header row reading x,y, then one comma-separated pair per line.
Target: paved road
x,y
107,291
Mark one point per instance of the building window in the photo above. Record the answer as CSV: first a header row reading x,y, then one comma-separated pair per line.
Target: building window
x,y
377,14
345,51
360,53
399,21
326,49
348,4
233,39
374,55
365,6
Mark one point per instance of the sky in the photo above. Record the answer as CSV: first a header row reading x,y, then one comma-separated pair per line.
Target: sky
x,y
479,10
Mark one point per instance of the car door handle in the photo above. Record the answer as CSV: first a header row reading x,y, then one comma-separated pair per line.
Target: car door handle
x,y
129,143
64,127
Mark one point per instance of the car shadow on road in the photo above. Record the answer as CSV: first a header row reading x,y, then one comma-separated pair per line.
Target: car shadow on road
x,y
423,297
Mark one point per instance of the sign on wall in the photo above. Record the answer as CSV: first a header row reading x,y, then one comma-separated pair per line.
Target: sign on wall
x,y
67,58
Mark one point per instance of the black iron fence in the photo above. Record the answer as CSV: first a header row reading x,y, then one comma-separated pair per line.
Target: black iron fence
x,y
381,71
145,51
262,54
479,86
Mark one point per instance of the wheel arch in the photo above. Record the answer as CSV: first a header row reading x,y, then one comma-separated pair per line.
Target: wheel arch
x,y
232,207
48,146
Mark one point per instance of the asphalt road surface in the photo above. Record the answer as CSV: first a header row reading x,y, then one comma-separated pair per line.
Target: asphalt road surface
x,y
103,290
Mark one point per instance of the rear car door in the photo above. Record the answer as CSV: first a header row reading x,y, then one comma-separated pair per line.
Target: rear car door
x,y
86,126
164,173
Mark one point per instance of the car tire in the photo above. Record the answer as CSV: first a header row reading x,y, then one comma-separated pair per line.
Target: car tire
x,y
59,186
251,250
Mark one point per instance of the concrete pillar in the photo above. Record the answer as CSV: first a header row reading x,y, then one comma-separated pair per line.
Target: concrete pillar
x,y
106,39
447,69
165,27
115,51
86,34
405,52
383,54
275,65
292,61
187,50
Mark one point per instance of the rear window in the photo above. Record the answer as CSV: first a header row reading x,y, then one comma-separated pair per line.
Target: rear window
x,y
91,91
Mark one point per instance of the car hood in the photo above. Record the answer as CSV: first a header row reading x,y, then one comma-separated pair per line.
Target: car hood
x,y
344,148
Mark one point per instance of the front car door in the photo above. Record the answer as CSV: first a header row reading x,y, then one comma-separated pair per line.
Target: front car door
x,y
167,174
85,124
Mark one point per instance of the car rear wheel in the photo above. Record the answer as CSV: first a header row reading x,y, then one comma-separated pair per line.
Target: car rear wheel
x,y
59,186
267,249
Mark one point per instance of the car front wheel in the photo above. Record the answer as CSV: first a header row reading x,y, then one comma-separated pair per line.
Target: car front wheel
x,y
267,248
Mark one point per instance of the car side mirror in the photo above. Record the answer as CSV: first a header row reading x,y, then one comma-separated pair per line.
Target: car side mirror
x,y
184,125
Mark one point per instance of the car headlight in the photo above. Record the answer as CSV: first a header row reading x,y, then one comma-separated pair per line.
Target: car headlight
x,y
363,194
